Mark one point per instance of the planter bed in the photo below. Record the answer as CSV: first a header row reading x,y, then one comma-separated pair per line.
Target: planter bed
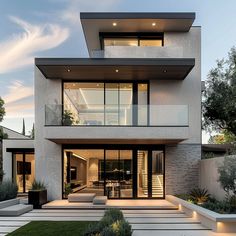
x,y
221,223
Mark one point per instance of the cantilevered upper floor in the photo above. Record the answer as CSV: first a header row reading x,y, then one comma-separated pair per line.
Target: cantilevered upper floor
x,y
136,34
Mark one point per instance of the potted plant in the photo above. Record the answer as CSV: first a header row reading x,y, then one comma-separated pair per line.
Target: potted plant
x,y
68,189
37,194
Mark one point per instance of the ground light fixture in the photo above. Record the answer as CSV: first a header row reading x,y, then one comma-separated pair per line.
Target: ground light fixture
x,y
117,70
153,24
114,24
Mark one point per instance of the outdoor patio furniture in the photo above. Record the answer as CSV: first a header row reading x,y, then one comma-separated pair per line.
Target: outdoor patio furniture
x,y
81,197
100,200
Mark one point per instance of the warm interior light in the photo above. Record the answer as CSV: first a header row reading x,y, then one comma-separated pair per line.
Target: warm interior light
x,y
114,24
117,70
68,70
164,71
153,24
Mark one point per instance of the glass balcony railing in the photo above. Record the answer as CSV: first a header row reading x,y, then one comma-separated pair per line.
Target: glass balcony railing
x,y
116,115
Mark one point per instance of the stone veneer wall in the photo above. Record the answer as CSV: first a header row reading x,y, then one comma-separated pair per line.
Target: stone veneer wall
x,y
182,164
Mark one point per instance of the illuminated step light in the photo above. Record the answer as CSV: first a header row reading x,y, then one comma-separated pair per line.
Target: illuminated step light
x,y
153,24
114,24
117,70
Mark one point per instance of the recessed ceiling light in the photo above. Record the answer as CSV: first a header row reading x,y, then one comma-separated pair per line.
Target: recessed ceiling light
x,y
73,85
153,24
117,70
68,70
97,85
164,71
114,24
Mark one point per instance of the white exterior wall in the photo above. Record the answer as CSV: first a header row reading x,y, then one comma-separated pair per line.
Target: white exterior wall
x,y
7,156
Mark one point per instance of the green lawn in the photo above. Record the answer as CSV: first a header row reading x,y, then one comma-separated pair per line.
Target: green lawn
x,y
44,228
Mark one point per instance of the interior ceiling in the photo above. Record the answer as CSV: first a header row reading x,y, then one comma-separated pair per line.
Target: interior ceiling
x,y
94,23
116,69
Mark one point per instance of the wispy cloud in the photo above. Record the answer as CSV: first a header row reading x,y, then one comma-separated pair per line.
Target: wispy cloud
x,y
19,100
71,13
20,49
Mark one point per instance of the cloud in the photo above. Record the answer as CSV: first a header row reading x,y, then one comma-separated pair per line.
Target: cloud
x,y
20,49
19,100
72,12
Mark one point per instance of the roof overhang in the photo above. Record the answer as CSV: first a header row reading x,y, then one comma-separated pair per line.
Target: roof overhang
x,y
94,23
115,68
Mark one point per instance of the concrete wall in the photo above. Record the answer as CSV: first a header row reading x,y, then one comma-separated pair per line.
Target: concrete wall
x,y
7,156
182,167
48,156
209,176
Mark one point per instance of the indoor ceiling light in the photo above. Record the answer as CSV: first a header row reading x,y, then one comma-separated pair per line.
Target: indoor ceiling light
x,y
114,24
164,71
68,70
153,24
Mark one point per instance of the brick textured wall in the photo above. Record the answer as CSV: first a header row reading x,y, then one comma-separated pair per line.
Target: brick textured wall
x,y
182,167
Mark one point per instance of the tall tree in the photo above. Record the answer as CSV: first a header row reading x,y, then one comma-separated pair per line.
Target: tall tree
x,y
219,97
2,135
23,128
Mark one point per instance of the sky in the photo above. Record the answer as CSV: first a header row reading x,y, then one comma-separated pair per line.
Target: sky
x,y
52,28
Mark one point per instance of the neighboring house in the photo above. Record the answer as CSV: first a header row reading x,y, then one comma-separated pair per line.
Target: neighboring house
x,y
125,122
18,159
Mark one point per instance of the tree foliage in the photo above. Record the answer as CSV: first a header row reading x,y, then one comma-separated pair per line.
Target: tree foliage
x,y
222,138
219,97
2,109
227,175
23,127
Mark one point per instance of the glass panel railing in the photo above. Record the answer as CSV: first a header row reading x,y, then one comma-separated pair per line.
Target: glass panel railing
x,y
116,115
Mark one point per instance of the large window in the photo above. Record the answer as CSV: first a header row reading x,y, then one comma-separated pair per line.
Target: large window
x,y
129,172
132,39
98,103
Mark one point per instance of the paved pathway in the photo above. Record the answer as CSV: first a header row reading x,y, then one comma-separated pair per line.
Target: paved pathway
x,y
144,222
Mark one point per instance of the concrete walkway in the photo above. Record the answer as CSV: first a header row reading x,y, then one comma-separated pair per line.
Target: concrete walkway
x,y
156,222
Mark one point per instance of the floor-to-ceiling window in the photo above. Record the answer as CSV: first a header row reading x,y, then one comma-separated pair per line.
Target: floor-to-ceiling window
x,y
127,172
23,170
99,103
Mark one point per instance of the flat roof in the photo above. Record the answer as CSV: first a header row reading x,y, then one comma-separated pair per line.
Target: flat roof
x,y
115,68
93,23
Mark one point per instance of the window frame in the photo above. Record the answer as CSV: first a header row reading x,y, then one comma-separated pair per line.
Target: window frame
x,y
132,35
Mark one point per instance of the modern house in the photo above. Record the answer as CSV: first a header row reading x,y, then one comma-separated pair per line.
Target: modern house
x,y
125,122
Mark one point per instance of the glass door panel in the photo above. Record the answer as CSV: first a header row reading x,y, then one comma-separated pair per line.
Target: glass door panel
x,y
125,103
142,173
142,104
29,171
112,173
157,173
19,172
112,104
126,174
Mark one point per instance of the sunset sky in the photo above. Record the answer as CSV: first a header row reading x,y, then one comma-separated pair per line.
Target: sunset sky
x,y
52,28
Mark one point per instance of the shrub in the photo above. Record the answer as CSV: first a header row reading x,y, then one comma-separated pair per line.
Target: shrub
x,y
38,186
8,190
199,195
112,224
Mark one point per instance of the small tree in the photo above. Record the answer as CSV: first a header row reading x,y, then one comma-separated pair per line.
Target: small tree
x,y
227,175
31,133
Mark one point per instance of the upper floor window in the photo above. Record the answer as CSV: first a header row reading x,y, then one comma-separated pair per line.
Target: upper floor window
x,y
132,39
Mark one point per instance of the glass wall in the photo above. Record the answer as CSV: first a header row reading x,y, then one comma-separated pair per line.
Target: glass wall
x,y
117,173
97,103
23,171
142,104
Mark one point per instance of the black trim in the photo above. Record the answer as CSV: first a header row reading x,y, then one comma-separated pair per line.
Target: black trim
x,y
137,15
20,150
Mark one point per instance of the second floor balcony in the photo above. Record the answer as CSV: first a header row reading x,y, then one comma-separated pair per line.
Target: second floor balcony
x,y
117,115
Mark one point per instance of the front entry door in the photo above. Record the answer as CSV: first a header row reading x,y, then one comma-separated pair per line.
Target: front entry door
x,y
150,174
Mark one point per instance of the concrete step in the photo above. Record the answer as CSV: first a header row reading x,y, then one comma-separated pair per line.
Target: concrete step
x,y
139,226
155,220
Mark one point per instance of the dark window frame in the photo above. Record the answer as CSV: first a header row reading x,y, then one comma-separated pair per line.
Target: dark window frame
x,y
134,149
132,35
